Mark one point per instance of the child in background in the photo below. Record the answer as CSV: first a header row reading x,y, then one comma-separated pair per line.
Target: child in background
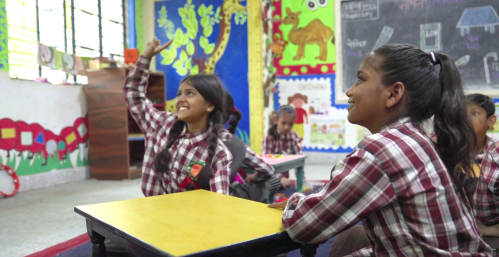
x,y
481,110
263,170
281,139
183,150
413,196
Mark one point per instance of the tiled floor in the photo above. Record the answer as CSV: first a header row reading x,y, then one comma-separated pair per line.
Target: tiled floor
x,y
34,220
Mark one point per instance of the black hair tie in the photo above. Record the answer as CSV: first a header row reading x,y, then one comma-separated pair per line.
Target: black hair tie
x,y
434,58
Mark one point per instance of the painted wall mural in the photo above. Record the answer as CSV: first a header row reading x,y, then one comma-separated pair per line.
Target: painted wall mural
x,y
31,149
4,35
307,30
210,37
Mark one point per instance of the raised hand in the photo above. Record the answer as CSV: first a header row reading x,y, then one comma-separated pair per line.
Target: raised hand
x,y
154,47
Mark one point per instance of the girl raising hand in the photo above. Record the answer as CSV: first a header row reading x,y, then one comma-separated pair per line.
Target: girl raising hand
x,y
183,151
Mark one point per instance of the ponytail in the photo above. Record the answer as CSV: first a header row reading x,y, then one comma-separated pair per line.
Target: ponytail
x,y
203,178
434,88
234,120
273,131
455,135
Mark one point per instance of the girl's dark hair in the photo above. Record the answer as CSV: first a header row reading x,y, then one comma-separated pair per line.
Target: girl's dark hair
x,y
229,111
434,93
483,101
283,109
212,90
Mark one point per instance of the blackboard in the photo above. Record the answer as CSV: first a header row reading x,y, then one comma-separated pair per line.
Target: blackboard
x,y
467,30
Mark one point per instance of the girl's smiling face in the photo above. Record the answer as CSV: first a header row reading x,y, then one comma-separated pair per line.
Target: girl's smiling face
x,y
366,99
191,106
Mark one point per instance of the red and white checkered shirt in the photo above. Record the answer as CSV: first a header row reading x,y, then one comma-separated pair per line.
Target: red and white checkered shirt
x,y
188,148
255,162
487,191
284,144
395,182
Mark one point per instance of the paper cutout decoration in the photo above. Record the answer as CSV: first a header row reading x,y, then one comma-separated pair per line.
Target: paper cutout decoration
x,y
131,55
46,56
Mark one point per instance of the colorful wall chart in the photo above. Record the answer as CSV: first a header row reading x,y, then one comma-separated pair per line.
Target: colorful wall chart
x,y
307,27
322,124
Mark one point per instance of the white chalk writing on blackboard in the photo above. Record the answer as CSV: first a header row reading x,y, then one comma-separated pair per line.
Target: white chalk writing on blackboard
x,y
431,37
360,10
485,16
384,37
486,64
355,43
408,4
463,61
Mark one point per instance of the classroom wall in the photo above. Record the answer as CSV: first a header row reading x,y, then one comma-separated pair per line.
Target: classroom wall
x,y
316,156
306,78
43,132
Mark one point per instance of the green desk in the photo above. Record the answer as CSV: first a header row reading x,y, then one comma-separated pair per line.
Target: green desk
x,y
194,223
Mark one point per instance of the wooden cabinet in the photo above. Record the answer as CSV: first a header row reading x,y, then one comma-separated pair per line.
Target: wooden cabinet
x,y
116,143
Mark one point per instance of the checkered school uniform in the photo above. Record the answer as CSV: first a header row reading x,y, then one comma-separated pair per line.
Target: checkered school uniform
x,y
487,192
284,144
397,185
263,170
188,148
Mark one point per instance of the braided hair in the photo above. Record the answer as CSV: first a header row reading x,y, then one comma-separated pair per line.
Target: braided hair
x,y
212,90
231,114
283,109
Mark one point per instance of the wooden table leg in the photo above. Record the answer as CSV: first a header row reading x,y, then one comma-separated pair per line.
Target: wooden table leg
x,y
308,250
299,179
98,246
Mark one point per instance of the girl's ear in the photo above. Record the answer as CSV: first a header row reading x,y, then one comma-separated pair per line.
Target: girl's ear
x,y
210,107
396,93
491,121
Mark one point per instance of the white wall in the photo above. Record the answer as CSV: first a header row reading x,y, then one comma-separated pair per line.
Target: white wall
x,y
54,107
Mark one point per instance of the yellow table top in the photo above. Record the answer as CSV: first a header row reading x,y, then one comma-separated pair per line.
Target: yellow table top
x,y
189,222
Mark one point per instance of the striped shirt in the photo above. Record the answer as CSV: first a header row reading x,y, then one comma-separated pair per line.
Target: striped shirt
x,y
487,192
188,148
396,184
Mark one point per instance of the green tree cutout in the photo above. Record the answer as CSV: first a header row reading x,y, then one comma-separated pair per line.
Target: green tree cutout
x,y
184,53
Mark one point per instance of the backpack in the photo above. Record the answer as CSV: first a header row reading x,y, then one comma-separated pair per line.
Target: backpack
x,y
259,191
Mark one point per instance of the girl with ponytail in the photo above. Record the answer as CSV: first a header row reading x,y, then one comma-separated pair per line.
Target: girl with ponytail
x,y
183,150
410,193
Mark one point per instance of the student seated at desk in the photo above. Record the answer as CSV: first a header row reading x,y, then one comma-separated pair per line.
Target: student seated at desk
x,y
183,150
481,110
281,139
410,193
263,171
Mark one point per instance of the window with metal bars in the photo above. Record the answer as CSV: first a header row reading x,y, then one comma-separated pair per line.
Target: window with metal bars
x,y
87,28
